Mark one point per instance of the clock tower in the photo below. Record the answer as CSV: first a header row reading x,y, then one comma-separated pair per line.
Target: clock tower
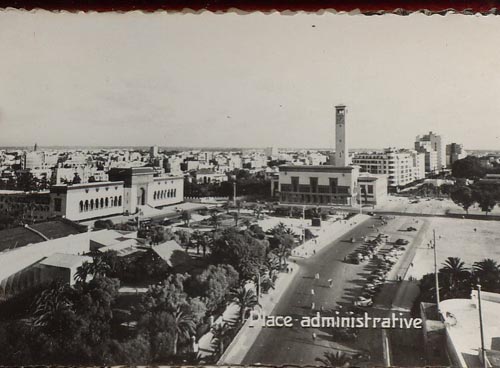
x,y
341,147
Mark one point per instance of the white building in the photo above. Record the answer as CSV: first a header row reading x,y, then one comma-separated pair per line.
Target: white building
x,y
78,202
401,166
430,143
320,185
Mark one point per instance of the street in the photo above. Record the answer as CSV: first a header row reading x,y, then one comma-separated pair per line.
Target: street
x,y
296,345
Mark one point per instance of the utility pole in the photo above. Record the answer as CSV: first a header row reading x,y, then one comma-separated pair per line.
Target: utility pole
x,y
483,351
234,193
436,271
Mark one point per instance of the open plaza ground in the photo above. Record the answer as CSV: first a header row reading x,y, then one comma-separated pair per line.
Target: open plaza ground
x,y
430,206
470,240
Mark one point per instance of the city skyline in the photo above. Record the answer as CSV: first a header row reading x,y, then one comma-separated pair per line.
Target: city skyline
x,y
271,81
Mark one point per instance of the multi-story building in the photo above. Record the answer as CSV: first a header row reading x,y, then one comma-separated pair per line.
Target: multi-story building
x,y
434,147
322,184
401,166
454,152
372,188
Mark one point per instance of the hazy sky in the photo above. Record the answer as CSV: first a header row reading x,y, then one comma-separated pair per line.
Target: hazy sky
x,y
247,80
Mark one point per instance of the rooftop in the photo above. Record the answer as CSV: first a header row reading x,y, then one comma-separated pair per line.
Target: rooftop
x,y
20,236
461,317
65,260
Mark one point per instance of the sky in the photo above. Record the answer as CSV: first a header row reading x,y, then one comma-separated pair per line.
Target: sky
x,y
254,80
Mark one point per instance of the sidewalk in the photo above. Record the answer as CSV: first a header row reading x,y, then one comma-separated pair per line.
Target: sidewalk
x,y
236,351
329,232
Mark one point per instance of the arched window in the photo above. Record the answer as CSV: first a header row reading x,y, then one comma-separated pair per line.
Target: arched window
x,y
81,206
91,204
111,202
107,202
154,195
102,203
119,200
96,203
162,194
86,205
115,202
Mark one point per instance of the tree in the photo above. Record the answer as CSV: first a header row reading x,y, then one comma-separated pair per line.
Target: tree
x,y
215,220
335,359
241,250
76,179
246,299
236,217
469,167
184,238
463,197
183,326
214,284
456,271
488,273
221,333
186,217
485,199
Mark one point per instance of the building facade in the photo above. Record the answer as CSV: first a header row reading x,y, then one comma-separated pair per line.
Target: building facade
x,y
434,147
320,185
402,167
142,188
372,189
78,202
454,152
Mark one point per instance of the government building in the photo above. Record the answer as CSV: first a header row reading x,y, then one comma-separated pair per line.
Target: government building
x,y
337,184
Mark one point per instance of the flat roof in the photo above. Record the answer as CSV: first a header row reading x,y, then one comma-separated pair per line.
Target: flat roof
x,y
87,185
326,168
461,318
63,260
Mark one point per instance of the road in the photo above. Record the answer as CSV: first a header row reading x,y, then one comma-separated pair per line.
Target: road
x,y
278,346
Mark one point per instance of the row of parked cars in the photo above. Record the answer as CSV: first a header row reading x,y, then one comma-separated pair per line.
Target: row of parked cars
x,y
384,261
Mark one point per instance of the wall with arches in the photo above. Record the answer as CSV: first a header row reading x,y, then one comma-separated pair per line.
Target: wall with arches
x,y
85,201
165,191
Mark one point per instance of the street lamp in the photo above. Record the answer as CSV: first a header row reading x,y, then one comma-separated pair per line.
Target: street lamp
x,y
483,351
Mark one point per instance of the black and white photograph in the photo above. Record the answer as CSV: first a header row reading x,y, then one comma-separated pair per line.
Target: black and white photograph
x,y
227,188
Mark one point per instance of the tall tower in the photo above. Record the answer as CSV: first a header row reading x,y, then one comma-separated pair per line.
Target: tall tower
x,y
341,147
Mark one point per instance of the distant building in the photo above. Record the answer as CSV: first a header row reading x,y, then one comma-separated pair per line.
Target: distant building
x,y
207,176
59,266
153,152
454,152
434,147
402,167
271,152
142,188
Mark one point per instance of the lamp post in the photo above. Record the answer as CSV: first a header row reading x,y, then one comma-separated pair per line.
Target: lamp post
x,y
435,270
483,351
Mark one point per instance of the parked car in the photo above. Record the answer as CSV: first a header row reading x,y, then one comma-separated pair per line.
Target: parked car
x,y
363,302
411,228
402,242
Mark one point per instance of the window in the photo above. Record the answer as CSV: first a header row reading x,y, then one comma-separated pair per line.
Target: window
x,y
96,203
86,205
102,203
81,206
91,204
295,183
106,201
154,195
370,189
313,182
115,202
119,200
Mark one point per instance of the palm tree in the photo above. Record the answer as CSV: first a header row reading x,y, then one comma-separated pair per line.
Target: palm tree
x,y
183,326
220,334
455,269
488,273
335,359
83,272
245,298
215,220
50,305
